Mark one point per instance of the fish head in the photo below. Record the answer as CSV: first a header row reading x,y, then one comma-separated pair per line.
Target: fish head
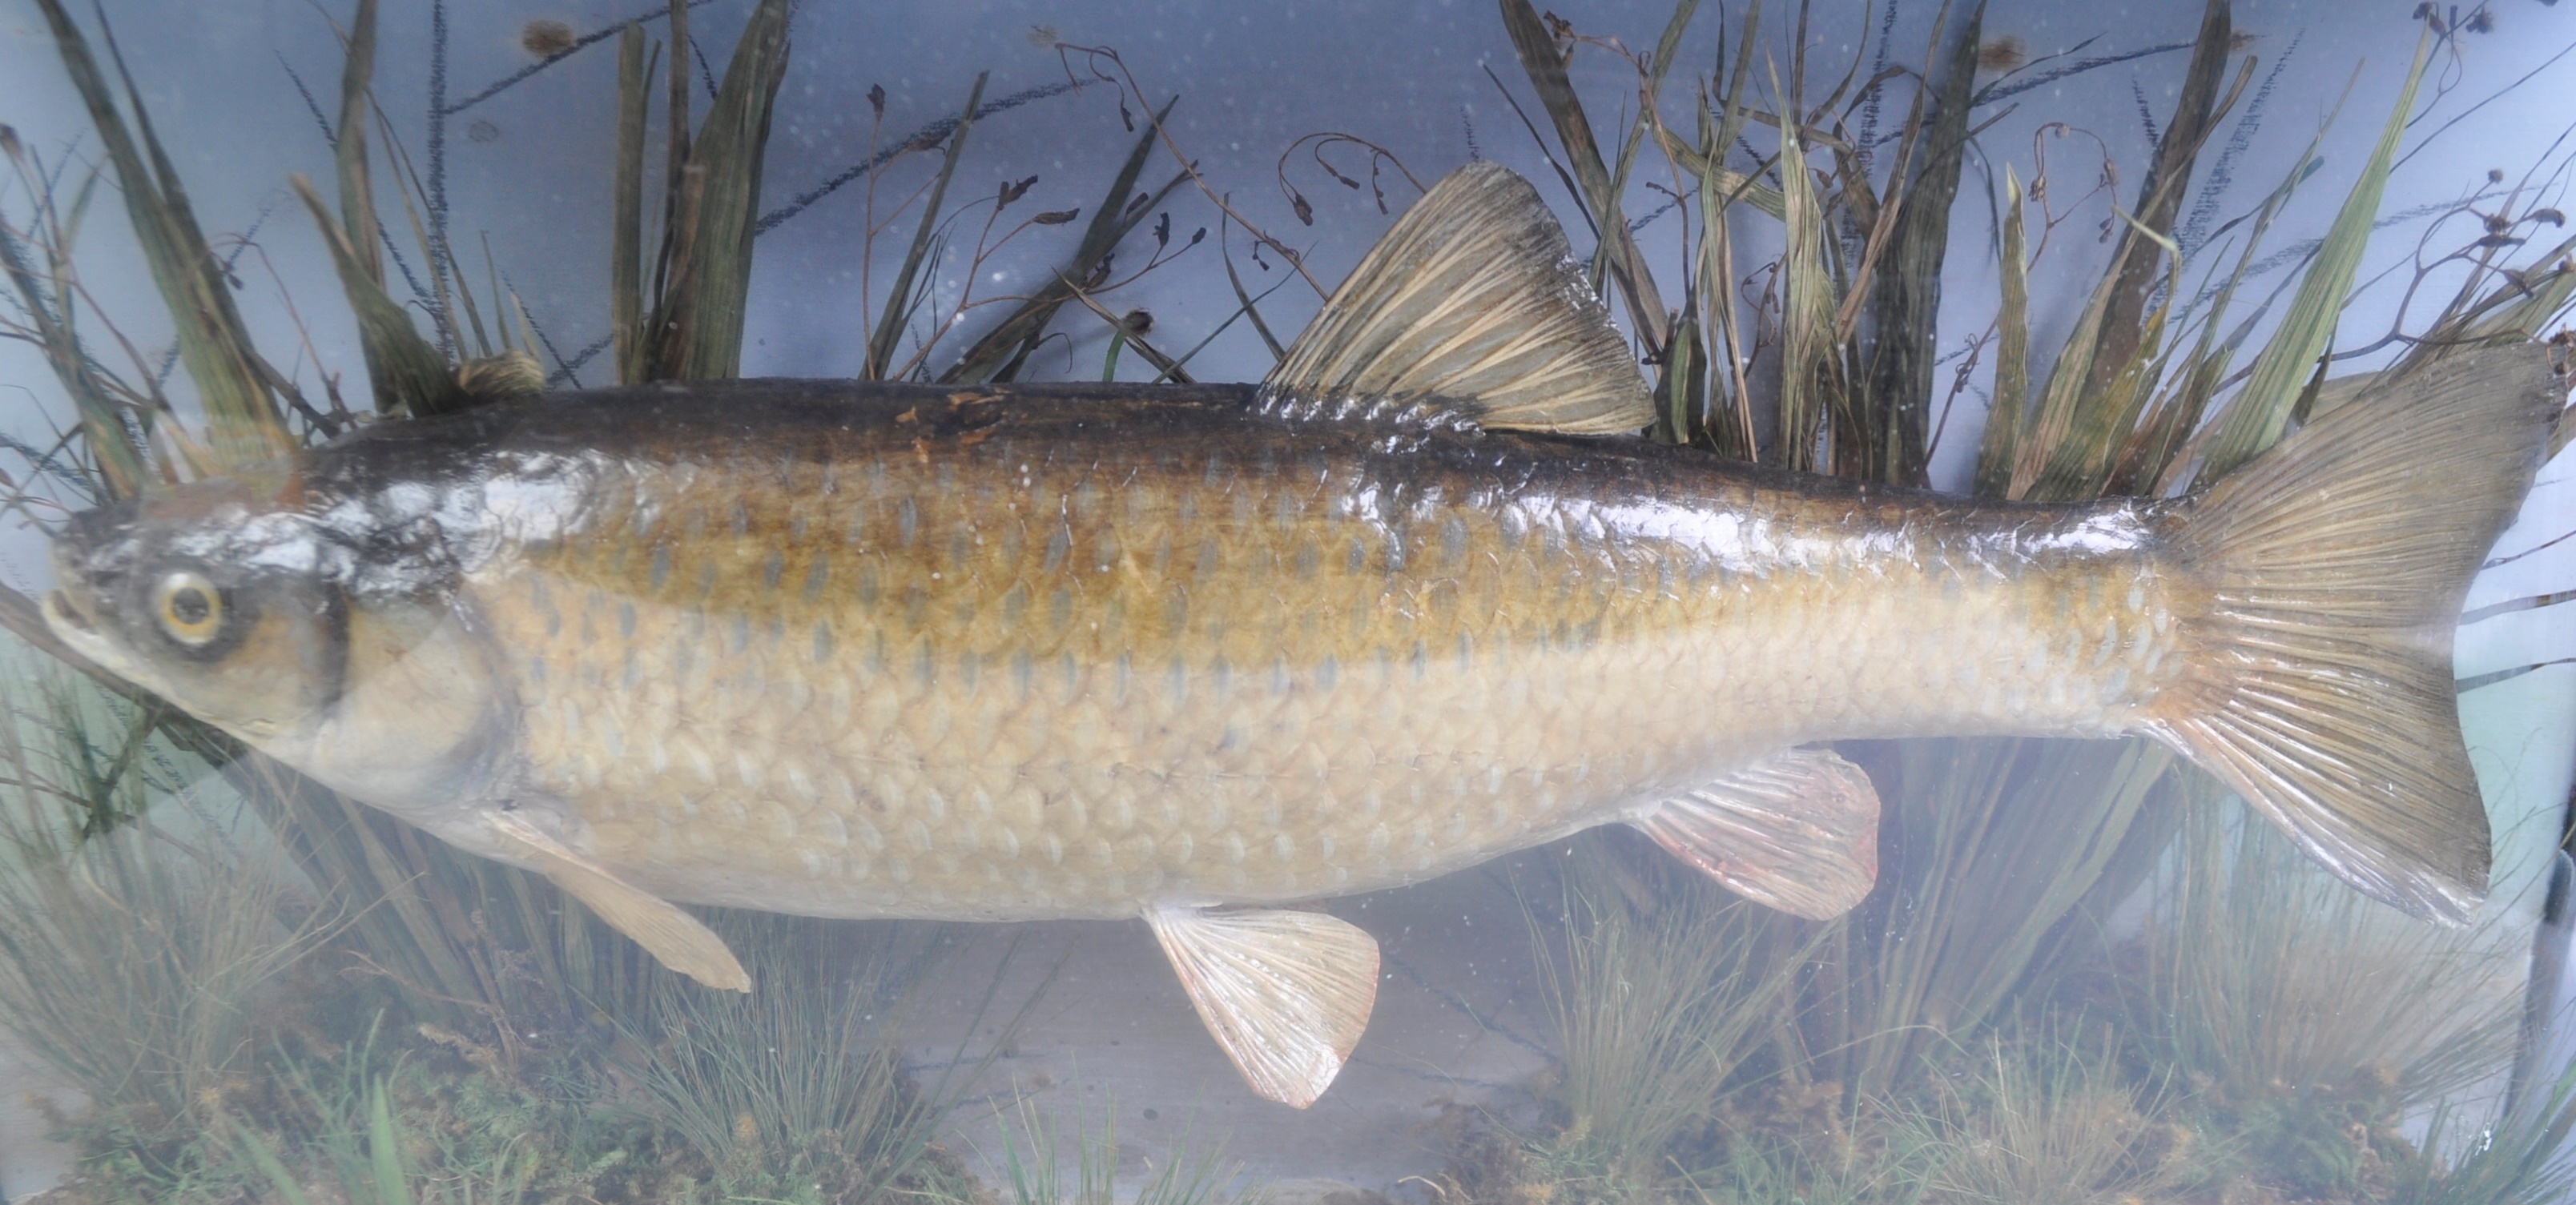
x,y
314,629
201,599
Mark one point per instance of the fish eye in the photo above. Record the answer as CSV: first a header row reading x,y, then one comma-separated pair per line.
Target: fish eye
x,y
190,608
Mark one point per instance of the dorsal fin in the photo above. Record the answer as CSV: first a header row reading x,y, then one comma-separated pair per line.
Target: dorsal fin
x,y
1475,296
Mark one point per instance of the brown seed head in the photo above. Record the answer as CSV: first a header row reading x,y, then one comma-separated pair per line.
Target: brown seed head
x,y
546,37
2002,54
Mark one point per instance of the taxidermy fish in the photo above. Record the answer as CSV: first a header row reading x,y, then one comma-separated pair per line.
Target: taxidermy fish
x,y
1194,653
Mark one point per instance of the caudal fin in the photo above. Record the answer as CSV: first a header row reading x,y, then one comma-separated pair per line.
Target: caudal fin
x,y
2321,690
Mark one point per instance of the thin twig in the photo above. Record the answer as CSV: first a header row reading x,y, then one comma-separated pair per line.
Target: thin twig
x,y
1189,166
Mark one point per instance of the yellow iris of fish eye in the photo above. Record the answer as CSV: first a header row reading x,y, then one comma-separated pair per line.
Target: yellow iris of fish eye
x,y
190,608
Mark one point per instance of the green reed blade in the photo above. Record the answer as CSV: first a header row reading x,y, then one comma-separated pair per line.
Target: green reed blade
x,y
2157,448
2000,446
1244,299
2160,195
1810,359
2053,416
1731,420
349,150
288,1189
246,423
626,225
696,330
1905,286
675,158
2262,408
2105,418
1658,68
1682,382
117,451
408,375
1625,263
384,1150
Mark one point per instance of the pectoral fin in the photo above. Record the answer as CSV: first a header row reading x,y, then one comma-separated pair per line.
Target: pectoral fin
x,y
1798,832
1287,994
682,942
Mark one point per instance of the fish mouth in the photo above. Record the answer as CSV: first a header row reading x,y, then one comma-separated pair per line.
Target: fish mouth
x,y
67,616
72,609
78,627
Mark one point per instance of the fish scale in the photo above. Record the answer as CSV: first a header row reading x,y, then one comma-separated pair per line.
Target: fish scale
x,y
1232,714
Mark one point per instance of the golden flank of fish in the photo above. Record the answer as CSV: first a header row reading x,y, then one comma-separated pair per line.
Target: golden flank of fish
x,y
1191,653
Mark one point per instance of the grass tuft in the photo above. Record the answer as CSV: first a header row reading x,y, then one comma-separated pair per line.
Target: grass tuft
x,y
2303,1013
1033,1166
798,1089
2041,1120
139,938
1659,984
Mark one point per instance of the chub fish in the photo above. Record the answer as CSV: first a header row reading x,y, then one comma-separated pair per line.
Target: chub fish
x,y
1196,653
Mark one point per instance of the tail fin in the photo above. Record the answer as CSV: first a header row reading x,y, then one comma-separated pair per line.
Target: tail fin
x,y
2321,688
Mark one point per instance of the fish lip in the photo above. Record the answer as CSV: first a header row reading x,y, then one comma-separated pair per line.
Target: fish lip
x,y
82,630
76,595
77,608
67,616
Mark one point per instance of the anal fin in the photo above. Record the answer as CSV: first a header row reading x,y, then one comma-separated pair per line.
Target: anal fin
x,y
1287,994
682,942
1797,831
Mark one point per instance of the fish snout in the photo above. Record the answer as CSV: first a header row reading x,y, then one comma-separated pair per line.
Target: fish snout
x,y
91,560
74,611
